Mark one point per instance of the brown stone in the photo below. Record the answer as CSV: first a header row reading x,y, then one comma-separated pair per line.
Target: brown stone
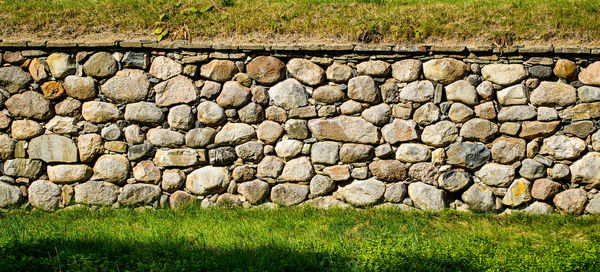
x,y
544,189
266,69
350,153
583,111
389,170
218,70
337,172
580,129
534,129
591,74
553,94
53,90
571,201
566,69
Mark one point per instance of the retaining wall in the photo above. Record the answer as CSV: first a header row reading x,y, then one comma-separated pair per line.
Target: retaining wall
x,y
145,124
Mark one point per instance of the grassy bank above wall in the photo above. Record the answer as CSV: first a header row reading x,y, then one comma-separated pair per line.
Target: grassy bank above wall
x,y
294,240
481,21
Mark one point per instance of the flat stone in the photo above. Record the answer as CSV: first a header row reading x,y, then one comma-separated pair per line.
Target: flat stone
x,y
68,173
339,73
165,137
345,129
363,89
299,169
418,91
289,194
406,70
350,153
101,64
496,175
439,134
208,180
547,114
177,90
444,71
139,194
138,60
517,113
513,95
176,157
266,69
539,208
143,112
580,129
234,134
340,172
100,112
326,202
553,94
412,152
588,94
540,72
426,197
571,201
479,197
21,167
127,86
462,91
583,111
479,129
13,78
233,95
306,71
254,191
504,74
508,150
9,195
518,193
591,74
52,148
374,68
29,104
288,94
44,195
165,68
534,129
89,145
562,147
61,65
454,181
389,170
467,154
270,167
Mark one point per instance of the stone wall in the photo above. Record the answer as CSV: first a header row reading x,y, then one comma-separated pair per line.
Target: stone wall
x,y
467,129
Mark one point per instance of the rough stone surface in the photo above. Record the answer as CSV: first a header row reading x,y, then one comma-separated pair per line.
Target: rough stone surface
x,y
439,134
67,173
44,195
177,90
570,201
406,70
298,170
418,91
234,134
9,195
410,152
363,89
288,94
29,104
289,194
426,197
13,78
306,71
496,175
553,94
479,197
445,71
504,74
101,64
254,191
362,192
462,91
266,69
218,70
208,180
389,170
562,147
467,154
138,194
345,129
127,86
53,148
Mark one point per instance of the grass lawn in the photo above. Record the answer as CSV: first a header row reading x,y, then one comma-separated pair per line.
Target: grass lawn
x,y
295,240
435,21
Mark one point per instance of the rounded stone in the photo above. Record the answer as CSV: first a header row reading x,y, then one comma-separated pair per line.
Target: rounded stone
x,y
101,64
266,69
208,180
111,168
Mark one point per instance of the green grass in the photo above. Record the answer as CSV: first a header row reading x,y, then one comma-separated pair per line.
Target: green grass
x,y
481,21
295,240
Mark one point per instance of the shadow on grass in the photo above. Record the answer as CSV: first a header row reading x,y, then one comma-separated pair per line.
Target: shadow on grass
x,y
99,255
